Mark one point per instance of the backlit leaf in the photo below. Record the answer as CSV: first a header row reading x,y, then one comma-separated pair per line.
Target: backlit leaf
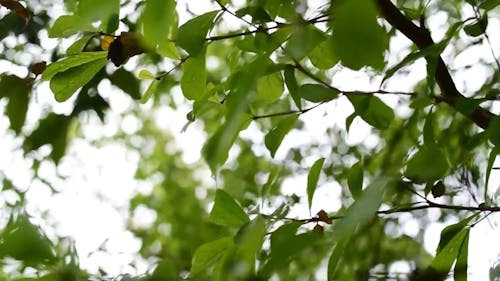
x,y
323,56
429,164
157,21
68,25
270,87
317,93
150,91
209,253
274,138
303,41
372,110
226,211
312,179
17,90
191,35
355,179
194,77
70,62
292,85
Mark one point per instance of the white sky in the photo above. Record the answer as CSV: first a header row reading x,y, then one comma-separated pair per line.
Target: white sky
x,y
93,202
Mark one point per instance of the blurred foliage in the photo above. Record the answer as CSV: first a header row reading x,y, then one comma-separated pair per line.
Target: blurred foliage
x,y
229,216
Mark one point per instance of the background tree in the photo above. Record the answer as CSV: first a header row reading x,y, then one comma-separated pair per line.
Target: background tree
x,y
251,71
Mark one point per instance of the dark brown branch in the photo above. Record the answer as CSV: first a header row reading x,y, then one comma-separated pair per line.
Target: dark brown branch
x,y
422,38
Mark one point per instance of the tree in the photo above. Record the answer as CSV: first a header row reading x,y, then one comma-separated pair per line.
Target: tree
x,y
260,67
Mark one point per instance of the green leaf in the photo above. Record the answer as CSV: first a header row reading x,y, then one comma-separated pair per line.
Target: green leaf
x,y
449,232
168,50
145,74
249,240
337,254
226,211
25,242
303,41
274,138
97,10
17,90
358,39
291,84
127,82
191,35
460,272
209,254
323,56
157,20
492,131
362,209
489,4
70,62
372,110
270,87
478,28
78,46
428,132
317,93
312,179
355,179
64,84
491,160
150,91
194,77
67,25
448,254
429,164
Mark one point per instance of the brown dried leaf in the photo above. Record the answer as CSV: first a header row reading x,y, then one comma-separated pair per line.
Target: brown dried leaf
x,y
17,7
318,229
438,189
38,68
125,46
323,216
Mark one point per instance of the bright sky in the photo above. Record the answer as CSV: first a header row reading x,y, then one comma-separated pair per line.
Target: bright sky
x,y
93,202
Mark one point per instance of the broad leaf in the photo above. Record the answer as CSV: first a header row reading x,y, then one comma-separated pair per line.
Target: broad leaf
x,y
97,10
127,82
372,110
70,62
157,21
358,39
68,25
191,35
249,240
448,254
64,84
317,93
226,211
429,164
312,179
323,56
194,77
274,138
209,253
17,90
270,87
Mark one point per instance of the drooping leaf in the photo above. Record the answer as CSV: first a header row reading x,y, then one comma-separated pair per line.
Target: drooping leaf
x,y
355,179
429,164
303,41
292,85
64,84
312,179
249,240
191,35
489,4
491,160
335,257
448,254
209,254
270,87
150,91
477,28
493,130
372,110
194,77
17,90
461,265
127,82
428,132
226,211
449,232
97,10
157,20
362,209
274,138
317,93
358,40
78,46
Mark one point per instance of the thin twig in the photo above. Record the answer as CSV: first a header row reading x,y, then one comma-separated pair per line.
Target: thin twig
x,y
181,61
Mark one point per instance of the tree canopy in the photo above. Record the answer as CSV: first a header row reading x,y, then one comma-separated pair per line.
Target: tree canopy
x,y
272,194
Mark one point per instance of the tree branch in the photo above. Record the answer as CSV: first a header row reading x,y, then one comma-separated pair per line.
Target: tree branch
x,y
422,38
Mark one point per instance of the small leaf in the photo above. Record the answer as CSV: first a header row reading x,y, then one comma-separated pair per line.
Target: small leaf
x,y
318,229
125,46
226,211
67,25
78,46
18,92
70,62
64,84
429,164
303,41
491,160
145,74
312,179
274,138
209,254
317,93
168,50
478,28
150,91
191,35
270,87
291,84
492,131
194,77
323,216
428,132
355,179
